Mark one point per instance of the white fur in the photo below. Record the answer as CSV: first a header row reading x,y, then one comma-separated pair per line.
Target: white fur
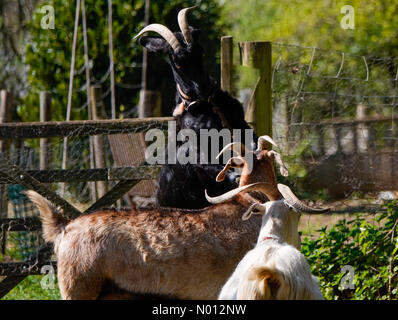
x,y
287,273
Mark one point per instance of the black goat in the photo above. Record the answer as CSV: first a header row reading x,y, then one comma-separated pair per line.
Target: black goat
x,y
201,104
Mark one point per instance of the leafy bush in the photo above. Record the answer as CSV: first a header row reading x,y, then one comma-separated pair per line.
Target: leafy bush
x,y
370,247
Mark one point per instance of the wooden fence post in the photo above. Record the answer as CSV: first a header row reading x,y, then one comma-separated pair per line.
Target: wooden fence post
x,y
259,111
5,116
45,115
98,112
150,104
364,133
227,64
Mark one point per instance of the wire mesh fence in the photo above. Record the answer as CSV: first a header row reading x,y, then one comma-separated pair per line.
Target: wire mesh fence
x,y
335,118
117,171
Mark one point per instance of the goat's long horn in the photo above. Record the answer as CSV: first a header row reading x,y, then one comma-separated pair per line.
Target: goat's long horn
x,y
297,204
267,188
237,147
263,141
164,32
183,23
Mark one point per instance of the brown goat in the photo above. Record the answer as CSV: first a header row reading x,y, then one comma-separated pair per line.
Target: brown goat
x,y
186,254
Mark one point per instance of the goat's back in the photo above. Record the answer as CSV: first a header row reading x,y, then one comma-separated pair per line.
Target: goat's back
x,y
187,255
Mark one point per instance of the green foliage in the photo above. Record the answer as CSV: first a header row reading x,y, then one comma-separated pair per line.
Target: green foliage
x,y
317,23
370,247
48,52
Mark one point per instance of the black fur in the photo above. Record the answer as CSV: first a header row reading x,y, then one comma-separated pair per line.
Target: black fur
x,y
183,185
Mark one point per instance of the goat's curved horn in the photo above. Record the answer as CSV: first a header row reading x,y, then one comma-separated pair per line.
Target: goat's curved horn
x,y
237,147
263,141
183,23
267,188
164,32
297,204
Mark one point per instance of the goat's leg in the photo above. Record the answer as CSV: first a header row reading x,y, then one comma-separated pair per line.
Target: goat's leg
x,y
78,286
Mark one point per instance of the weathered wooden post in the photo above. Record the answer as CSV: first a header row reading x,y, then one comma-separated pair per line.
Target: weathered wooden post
x,y
150,104
45,115
5,116
364,133
227,64
259,111
97,113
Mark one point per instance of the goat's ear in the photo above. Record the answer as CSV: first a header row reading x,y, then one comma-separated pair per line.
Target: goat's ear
x,y
234,162
283,170
269,281
255,208
154,44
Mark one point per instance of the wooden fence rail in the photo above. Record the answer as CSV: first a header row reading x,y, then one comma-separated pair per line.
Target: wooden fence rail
x,y
144,172
27,130
10,173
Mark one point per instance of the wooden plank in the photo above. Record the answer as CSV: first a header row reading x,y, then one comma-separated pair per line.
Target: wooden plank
x,y
5,116
45,115
23,269
227,63
26,130
134,173
8,283
97,113
144,172
22,177
258,55
20,224
112,195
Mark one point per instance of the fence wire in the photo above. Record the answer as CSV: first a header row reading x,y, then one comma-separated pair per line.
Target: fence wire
x,y
335,119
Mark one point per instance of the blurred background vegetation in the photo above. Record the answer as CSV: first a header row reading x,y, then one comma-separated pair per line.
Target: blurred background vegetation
x,y
34,59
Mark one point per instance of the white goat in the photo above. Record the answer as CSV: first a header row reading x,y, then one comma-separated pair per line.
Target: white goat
x,y
275,268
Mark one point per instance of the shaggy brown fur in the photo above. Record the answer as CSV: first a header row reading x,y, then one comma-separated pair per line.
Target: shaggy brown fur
x,y
187,254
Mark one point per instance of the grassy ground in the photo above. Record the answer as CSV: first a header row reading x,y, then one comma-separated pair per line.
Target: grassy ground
x,y
30,289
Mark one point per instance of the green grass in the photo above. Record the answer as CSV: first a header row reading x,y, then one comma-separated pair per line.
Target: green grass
x,y
31,289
